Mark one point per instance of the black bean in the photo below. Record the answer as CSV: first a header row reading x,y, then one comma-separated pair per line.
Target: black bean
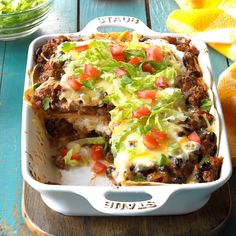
x,y
132,144
178,180
81,101
212,137
199,178
196,74
109,170
178,162
196,156
162,168
213,151
143,39
205,166
181,133
131,168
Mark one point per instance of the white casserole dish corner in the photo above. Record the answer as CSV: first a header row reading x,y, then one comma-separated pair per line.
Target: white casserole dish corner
x,y
168,199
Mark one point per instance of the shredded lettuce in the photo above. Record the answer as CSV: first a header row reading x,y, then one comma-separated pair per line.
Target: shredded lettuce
x,y
87,141
141,83
117,139
162,160
169,73
46,103
88,84
70,153
125,81
67,46
134,53
206,104
158,66
9,6
143,129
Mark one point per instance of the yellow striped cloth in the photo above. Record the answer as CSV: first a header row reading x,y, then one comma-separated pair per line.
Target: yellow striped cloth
x,y
214,21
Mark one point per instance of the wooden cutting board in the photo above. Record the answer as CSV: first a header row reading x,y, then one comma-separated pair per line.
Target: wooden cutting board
x,y
209,220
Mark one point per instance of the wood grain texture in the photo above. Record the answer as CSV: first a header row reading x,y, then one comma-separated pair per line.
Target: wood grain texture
x,y
2,53
12,69
230,228
95,8
12,73
39,216
160,10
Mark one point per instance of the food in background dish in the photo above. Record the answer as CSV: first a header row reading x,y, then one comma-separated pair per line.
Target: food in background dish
x,y
135,108
12,6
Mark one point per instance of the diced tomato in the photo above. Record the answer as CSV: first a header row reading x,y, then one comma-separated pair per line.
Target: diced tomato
x,y
91,71
154,53
158,134
83,76
194,137
140,112
117,50
120,72
76,157
134,61
120,57
63,151
99,168
146,67
81,48
150,142
147,94
160,82
97,152
74,83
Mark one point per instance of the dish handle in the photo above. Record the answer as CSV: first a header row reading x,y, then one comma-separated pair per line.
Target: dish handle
x,y
116,21
107,201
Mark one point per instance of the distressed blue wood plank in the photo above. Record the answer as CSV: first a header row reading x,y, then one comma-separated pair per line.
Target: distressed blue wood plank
x,y
63,19
95,8
2,53
218,62
10,125
159,11
230,62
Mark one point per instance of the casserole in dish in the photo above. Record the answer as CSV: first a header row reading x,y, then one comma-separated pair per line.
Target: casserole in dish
x,y
143,99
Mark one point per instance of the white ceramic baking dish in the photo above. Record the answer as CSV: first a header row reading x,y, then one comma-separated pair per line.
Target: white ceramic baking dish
x,y
75,198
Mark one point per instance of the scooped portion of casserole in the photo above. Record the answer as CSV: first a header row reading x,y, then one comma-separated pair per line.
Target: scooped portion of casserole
x,y
134,108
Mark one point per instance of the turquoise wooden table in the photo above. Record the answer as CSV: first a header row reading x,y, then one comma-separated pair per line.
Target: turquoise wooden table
x,y
67,16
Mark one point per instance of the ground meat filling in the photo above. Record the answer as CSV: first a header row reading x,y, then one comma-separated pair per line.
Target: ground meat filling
x,y
193,88
62,130
45,67
208,171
